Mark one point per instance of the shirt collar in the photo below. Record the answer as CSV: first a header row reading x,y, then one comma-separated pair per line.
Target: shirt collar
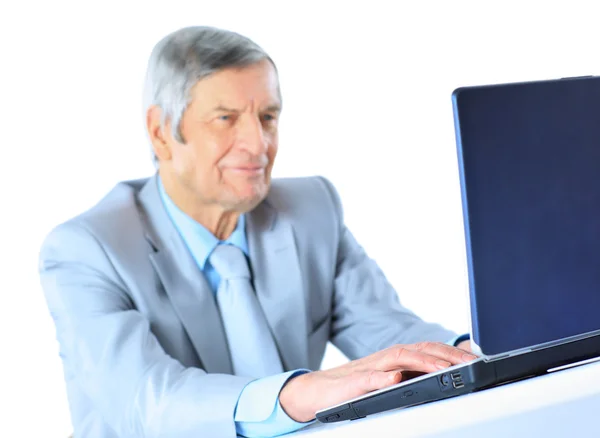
x,y
199,240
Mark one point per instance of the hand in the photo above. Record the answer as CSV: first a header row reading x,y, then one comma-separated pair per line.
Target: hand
x,y
304,395
465,345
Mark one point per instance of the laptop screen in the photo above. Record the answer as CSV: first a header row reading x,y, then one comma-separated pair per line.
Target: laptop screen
x,y
529,157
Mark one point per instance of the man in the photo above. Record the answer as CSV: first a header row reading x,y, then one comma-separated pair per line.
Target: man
x,y
197,302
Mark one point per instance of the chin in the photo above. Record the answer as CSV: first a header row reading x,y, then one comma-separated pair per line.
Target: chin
x,y
250,198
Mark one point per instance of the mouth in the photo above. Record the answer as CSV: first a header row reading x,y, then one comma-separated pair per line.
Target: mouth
x,y
248,170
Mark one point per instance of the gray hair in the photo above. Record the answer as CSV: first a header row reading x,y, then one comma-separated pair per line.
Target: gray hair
x,y
182,58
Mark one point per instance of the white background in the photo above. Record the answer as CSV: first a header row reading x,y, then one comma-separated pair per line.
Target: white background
x,y
366,89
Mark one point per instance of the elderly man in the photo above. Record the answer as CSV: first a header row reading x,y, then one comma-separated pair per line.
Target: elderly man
x,y
198,302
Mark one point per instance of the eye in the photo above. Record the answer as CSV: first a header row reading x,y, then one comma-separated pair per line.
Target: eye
x,y
226,119
268,117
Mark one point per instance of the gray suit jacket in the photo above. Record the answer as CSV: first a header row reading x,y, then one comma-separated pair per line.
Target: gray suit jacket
x,y
142,344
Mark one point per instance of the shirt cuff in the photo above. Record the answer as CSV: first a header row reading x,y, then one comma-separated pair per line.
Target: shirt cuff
x,y
458,339
258,411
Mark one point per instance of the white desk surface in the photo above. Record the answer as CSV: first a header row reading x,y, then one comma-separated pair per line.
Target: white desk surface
x,y
561,404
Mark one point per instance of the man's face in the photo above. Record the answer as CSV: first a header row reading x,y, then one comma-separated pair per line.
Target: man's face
x,y
230,134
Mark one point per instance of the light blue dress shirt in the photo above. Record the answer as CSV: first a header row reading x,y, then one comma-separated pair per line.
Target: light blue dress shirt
x,y
261,395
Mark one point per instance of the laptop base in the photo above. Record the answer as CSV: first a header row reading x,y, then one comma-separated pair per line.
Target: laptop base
x,y
462,379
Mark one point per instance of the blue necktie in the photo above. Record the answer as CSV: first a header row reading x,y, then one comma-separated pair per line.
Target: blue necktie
x,y
251,345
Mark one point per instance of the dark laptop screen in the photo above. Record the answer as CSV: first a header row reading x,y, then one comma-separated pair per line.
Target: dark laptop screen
x,y
530,172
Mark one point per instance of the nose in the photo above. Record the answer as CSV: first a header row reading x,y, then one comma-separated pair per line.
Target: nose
x,y
251,136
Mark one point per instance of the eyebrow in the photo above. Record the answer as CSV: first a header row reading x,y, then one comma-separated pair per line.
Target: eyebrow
x,y
272,108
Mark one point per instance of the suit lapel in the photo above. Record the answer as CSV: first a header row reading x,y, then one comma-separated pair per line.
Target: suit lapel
x,y
278,282
185,284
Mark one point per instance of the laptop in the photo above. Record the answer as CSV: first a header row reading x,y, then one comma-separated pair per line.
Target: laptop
x,y
529,165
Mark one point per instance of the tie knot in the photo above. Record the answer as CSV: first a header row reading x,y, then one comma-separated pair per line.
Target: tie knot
x,y
230,262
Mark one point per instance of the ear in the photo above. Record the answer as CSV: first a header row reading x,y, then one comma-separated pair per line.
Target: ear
x,y
159,135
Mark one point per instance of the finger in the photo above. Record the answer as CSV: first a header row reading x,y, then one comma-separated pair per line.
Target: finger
x,y
374,380
443,351
405,358
465,346
407,375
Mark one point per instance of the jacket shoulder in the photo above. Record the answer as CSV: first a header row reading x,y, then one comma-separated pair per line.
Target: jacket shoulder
x,y
313,208
113,218
300,196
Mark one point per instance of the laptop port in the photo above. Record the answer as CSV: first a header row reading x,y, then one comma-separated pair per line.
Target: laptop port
x,y
456,376
445,379
458,384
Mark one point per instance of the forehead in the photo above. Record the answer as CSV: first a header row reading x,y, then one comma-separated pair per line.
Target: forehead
x,y
235,87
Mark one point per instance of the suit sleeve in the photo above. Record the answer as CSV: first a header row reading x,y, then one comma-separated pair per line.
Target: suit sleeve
x,y
367,315
108,347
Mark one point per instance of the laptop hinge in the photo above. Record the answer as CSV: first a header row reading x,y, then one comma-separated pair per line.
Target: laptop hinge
x,y
495,357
